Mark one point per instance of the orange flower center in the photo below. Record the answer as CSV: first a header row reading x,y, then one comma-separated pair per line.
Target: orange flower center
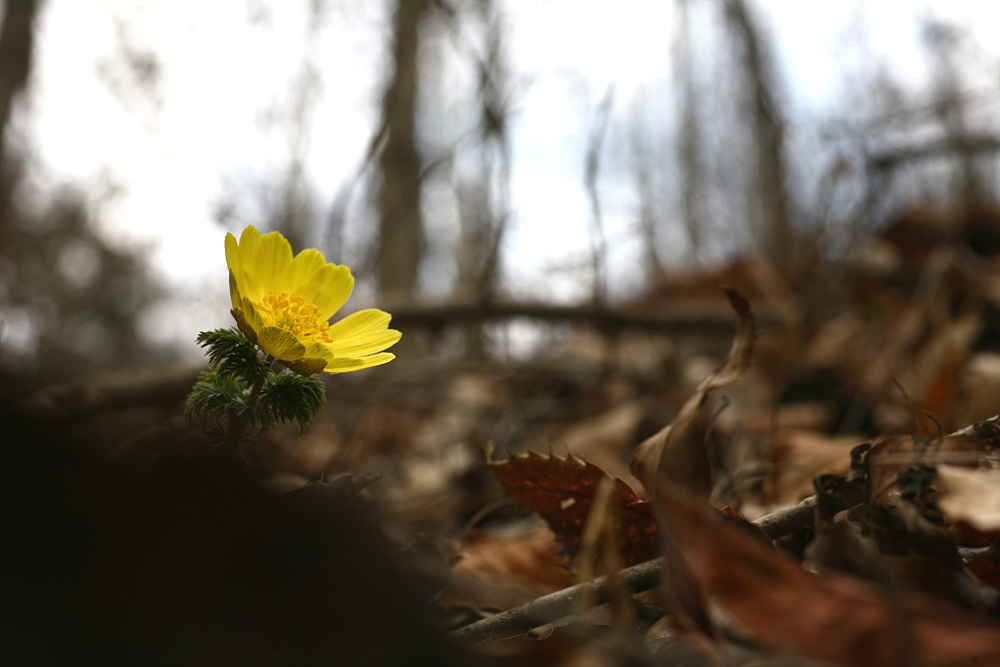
x,y
293,313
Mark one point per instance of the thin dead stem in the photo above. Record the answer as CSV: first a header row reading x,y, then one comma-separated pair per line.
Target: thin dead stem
x,y
635,579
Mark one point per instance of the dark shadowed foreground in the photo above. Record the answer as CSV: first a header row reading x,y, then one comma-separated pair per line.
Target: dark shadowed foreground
x,y
189,561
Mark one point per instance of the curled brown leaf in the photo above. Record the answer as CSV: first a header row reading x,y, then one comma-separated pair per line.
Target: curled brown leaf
x,y
677,453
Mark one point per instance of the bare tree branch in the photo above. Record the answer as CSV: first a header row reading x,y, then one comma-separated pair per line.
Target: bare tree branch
x,y
595,144
967,144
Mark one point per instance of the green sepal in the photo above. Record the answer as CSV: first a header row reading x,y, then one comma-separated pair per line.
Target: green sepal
x,y
306,365
280,343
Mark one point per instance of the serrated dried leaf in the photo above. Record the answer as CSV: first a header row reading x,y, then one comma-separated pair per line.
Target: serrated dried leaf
x,y
561,490
606,439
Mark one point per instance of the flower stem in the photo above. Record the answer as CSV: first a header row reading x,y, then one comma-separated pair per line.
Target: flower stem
x,y
238,422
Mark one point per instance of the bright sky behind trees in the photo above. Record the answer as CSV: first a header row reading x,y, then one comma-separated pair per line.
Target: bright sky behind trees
x,y
213,123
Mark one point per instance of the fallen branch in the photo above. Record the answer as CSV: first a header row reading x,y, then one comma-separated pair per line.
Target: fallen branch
x,y
636,579
691,317
962,145
110,392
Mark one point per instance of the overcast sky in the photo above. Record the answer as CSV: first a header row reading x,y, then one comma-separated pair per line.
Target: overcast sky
x,y
227,67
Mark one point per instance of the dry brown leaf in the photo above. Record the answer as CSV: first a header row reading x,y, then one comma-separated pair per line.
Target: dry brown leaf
x,y
940,362
910,324
980,388
986,566
561,490
904,518
943,577
501,572
606,439
800,456
841,545
678,453
972,496
816,416
834,618
896,454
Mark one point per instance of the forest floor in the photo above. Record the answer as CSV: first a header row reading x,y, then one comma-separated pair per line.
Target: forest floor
x,y
706,476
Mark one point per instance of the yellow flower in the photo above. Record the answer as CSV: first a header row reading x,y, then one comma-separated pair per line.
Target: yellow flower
x,y
284,303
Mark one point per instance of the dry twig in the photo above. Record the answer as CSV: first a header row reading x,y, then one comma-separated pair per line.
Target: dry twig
x,y
636,579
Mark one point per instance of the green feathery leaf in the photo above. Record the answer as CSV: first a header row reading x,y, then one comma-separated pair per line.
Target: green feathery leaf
x,y
214,395
232,355
288,396
222,392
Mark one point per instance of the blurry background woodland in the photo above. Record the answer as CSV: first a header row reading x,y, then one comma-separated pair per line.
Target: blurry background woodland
x,y
546,195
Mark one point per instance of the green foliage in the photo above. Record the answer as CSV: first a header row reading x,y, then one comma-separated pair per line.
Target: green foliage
x,y
232,355
288,396
213,396
241,387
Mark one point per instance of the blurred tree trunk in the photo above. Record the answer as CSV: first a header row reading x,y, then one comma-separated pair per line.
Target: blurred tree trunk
x,y
772,231
16,41
484,199
943,40
691,146
401,234
649,220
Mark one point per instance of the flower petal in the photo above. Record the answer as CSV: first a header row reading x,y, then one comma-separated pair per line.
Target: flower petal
x,y
276,255
235,256
232,253
301,270
261,264
280,344
343,365
334,362
360,323
329,289
264,261
365,362
368,343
